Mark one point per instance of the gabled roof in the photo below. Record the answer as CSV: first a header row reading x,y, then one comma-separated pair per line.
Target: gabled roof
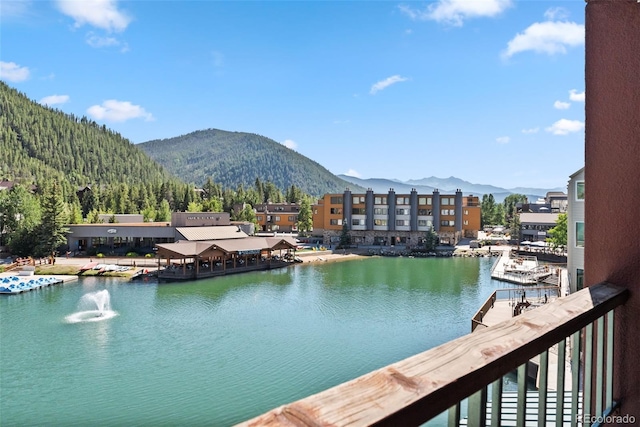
x,y
217,247
211,233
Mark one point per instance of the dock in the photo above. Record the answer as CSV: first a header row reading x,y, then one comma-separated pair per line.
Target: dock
x,y
519,269
12,283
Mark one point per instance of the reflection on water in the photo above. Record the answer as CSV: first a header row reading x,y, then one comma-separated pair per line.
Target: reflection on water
x,y
219,351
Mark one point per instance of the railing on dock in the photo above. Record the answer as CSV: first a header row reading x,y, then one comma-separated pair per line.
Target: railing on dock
x,y
466,375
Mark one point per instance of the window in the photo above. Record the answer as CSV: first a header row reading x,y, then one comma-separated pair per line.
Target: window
x,y
358,200
447,223
424,223
580,190
277,218
359,211
336,200
380,211
259,217
379,222
579,279
402,211
380,200
424,212
448,212
422,200
292,218
444,201
335,221
580,234
336,211
465,222
466,212
402,201
357,222
402,222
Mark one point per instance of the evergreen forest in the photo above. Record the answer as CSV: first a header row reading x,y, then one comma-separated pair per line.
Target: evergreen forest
x,y
234,158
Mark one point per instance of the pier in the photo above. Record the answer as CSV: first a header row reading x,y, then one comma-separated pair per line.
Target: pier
x,y
25,280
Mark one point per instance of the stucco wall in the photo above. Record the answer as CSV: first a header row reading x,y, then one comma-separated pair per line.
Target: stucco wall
x,y
612,174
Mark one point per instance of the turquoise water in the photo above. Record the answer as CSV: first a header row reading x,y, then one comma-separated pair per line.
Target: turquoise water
x,y
216,352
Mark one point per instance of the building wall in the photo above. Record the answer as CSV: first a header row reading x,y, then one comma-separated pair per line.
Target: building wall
x,y
282,217
612,169
390,218
575,219
199,219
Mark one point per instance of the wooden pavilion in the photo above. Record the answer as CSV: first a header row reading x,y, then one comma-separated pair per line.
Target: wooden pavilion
x,y
188,260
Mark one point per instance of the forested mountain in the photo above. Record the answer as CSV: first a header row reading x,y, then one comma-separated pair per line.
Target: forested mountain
x,y
233,158
38,143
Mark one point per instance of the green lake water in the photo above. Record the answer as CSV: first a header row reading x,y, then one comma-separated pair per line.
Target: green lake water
x,y
220,351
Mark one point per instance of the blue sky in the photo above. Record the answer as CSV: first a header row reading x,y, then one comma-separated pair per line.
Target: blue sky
x,y
490,91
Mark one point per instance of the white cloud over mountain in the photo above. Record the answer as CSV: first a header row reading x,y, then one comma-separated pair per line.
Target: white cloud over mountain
x,y
13,72
455,12
102,14
565,127
383,84
118,111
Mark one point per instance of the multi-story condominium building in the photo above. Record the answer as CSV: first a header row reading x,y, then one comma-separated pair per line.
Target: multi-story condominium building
x,y
575,231
391,219
280,217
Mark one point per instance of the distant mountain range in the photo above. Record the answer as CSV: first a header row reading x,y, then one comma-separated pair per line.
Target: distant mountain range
x,y
446,185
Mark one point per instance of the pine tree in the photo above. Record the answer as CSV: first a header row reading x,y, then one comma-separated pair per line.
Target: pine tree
x,y
305,217
52,232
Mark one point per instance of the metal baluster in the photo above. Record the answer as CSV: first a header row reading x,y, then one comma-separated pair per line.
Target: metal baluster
x,y
609,387
496,402
542,389
522,395
599,365
477,414
575,377
562,358
454,416
588,364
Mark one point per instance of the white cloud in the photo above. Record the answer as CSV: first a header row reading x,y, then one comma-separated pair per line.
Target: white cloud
x,y
95,40
118,111
353,173
556,13
14,8
290,144
97,13
565,127
455,12
530,131
560,105
503,140
576,96
54,99
383,84
12,72
546,37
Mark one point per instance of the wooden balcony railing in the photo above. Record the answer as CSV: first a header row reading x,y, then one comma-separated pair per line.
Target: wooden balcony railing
x,y
461,375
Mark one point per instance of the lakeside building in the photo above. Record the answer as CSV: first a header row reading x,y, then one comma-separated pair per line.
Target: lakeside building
x,y
280,217
553,202
129,232
534,227
396,219
575,231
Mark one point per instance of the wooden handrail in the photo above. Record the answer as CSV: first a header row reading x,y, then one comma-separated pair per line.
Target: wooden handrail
x,y
414,390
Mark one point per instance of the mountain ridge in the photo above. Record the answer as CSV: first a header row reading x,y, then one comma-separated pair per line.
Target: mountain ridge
x,y
450,185
238,158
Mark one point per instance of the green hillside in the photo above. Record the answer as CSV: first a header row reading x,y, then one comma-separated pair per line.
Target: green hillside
x,y
39,144
233,158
